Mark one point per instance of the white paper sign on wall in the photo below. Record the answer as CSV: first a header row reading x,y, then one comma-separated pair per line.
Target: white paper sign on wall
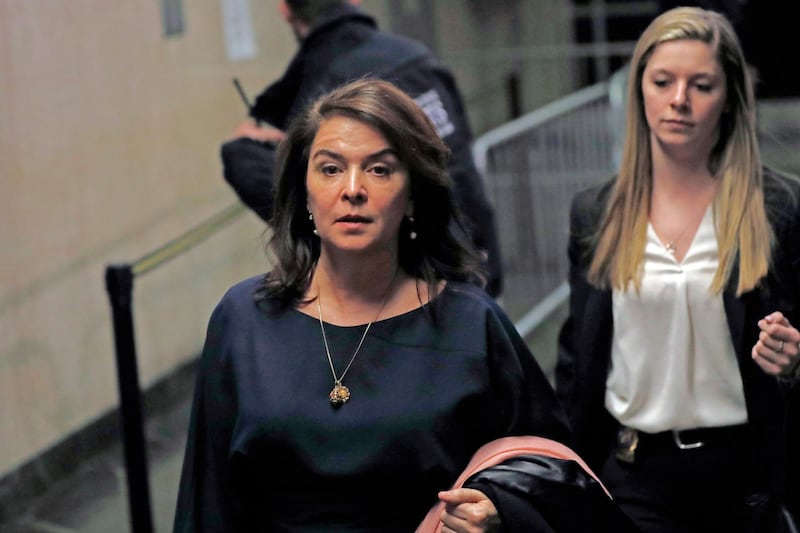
x,y
240,42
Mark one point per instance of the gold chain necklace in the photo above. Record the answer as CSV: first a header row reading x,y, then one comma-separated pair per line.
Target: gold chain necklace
x,y
340,394
672,246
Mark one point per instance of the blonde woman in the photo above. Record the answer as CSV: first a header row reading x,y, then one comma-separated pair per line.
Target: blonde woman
x,y
678,362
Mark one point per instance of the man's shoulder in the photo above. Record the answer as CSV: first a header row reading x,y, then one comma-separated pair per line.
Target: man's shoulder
x,y
379,55
401,43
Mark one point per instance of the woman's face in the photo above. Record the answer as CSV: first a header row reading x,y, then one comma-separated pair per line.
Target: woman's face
x,y
684,93
358,189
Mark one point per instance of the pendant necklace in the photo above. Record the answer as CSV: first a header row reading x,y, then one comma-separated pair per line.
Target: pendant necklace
x,y
340,394
672,246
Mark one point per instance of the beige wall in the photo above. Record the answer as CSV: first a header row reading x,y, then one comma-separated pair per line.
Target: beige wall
x,y
109,138
484,42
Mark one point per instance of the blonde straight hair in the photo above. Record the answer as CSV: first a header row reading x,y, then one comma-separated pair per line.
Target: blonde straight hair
x,y
741,222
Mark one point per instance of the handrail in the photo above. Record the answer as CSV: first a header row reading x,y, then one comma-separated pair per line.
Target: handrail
x,y
189,239
548,112
119,280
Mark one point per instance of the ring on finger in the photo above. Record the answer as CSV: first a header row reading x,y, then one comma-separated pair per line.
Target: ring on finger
x,y
779,349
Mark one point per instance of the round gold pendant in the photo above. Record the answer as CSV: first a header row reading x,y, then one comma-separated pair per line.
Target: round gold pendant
x,y
339,395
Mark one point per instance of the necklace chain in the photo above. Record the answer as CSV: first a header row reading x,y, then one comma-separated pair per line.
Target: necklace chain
x,y
672,245
339,379
341,394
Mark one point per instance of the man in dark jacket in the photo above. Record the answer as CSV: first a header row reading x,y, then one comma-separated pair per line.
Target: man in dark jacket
x,y
339,43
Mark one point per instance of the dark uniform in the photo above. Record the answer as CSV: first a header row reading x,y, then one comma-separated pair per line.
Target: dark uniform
x,y
343,45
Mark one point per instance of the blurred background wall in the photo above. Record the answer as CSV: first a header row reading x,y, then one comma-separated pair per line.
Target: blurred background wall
x,y
109,132
111,117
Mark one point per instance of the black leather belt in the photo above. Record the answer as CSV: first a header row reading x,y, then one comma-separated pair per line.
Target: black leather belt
x,y
630,440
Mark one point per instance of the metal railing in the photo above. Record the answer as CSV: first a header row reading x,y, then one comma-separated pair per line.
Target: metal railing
x,y
533,166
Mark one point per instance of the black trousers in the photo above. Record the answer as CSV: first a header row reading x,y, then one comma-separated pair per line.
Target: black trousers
x,y
716,487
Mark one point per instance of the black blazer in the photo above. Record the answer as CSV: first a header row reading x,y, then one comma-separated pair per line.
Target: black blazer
x,y
773,405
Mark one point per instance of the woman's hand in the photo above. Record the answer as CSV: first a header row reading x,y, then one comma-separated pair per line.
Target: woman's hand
x,y
468,511
777,351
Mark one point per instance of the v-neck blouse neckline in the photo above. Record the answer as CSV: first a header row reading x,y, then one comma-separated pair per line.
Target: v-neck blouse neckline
x,y
701,234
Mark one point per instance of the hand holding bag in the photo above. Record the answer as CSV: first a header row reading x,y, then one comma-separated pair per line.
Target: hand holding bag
x,y
536,484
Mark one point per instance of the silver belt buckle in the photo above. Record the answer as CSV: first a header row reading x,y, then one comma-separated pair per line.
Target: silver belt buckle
x,y
676,436
627,442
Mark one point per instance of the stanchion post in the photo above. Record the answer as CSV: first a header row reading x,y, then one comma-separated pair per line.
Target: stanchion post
x,y
119,284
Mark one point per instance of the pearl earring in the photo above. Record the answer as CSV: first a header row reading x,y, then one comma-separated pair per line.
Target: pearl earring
x,y
412,234
311,218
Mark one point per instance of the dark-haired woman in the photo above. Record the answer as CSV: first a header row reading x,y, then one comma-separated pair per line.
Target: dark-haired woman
x,y
347,389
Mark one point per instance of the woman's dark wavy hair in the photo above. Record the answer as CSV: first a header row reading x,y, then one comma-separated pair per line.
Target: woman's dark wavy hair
x,y
440,251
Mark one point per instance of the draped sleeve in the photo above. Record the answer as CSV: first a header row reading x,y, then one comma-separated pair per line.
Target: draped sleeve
x,y
204,499
526,399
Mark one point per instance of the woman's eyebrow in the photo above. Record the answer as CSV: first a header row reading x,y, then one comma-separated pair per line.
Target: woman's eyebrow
x,y
710,73
327,153
380,153
339,157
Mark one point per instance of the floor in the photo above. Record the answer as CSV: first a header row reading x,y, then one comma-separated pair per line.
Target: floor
x,y
94,500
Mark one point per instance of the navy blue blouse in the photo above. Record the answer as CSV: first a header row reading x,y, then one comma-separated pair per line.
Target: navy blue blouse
x,y
268,452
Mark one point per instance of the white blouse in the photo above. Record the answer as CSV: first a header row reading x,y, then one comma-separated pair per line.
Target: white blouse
x,y
673,365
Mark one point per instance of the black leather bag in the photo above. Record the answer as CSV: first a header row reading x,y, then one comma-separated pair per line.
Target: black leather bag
x,y
549,494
